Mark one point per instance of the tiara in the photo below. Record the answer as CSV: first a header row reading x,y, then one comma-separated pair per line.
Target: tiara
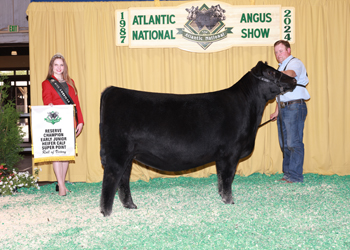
x,y
58,55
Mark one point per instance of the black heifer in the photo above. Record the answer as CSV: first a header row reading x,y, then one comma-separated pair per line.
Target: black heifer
x,y
177,132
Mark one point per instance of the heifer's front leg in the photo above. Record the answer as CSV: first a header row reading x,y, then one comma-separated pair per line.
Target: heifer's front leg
x,y
226,170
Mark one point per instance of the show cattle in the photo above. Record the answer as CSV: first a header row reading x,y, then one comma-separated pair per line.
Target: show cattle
x,y
177,132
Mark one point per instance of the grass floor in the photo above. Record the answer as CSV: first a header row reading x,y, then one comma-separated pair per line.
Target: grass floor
x,y
184,213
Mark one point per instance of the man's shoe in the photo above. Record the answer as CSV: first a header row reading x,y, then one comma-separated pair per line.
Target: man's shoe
x,y
283,179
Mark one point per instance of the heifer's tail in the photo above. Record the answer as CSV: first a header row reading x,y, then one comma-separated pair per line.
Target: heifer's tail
x,y
103,96
102,110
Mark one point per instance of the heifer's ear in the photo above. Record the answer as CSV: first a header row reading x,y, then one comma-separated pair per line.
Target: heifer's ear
x,y
256,70
266,62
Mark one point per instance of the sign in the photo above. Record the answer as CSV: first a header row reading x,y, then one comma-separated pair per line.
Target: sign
x,y
13,28
288,24
204,26
53,133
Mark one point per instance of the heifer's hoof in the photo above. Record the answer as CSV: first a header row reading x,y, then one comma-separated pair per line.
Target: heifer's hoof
x,y
106,212
228,201
130,206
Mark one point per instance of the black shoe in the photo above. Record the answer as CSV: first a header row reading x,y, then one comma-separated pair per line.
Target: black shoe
x,y
57,188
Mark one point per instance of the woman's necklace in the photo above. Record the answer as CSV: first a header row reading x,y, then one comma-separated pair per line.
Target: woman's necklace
x,y
59,77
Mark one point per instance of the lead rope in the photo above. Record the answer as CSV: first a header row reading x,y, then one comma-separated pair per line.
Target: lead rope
x,y
280,112
280,119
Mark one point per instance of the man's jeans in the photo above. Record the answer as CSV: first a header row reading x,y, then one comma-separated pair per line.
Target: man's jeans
x,y
293,120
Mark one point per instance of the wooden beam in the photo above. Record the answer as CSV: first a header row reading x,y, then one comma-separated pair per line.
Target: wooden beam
x,y
11,62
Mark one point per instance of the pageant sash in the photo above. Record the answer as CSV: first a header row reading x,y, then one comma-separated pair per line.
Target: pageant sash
x,y
53,133
64,95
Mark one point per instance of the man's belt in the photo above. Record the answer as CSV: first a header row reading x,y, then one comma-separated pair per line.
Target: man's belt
x,y
284,104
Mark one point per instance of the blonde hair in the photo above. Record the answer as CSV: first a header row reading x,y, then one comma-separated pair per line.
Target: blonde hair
x,y
65,74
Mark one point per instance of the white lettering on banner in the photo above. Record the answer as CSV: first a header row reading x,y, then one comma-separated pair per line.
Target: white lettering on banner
x,y
204,26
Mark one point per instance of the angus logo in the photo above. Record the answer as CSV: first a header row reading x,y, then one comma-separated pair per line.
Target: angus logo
x,y
204,25
53,117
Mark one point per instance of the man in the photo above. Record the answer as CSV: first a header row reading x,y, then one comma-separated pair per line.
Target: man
x,y
293,113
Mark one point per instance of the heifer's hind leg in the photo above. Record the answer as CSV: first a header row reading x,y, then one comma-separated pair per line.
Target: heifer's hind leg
x,y
115,167
124,188
226,170
116,175
109,187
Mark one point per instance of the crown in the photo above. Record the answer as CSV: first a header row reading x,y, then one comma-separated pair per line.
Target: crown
x,y
58,55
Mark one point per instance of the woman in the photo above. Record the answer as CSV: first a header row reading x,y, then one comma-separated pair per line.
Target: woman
x,y
58,70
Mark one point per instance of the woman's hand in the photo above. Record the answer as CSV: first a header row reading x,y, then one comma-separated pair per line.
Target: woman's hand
x,y
79,129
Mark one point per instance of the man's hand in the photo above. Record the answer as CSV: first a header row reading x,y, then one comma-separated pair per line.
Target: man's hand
x,y
274,115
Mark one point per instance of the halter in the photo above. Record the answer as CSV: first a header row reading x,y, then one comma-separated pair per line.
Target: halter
x,y
277,82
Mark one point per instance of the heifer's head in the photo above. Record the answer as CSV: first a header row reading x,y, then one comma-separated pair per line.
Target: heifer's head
x,y
273,81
